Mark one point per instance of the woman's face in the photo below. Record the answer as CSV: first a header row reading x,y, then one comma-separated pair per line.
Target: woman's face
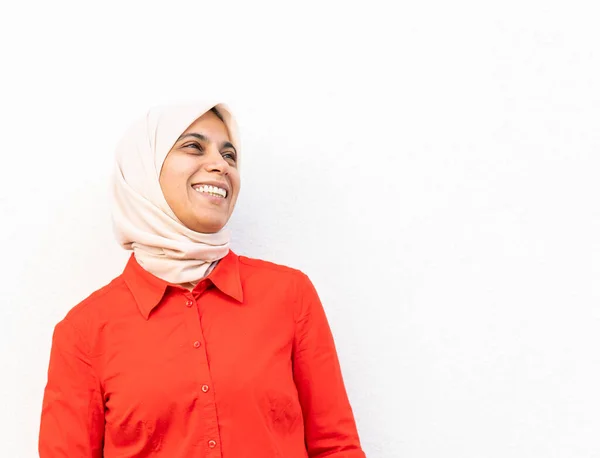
x,y
199,178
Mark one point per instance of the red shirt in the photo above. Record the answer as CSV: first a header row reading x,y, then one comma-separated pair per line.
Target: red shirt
x,y
242,366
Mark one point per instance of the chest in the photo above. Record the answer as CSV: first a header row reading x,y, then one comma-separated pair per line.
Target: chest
x,y
196,361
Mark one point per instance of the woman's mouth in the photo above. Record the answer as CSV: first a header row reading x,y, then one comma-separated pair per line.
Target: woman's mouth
x,y
214,191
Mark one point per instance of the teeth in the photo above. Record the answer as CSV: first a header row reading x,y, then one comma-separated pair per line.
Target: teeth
x,y
212,190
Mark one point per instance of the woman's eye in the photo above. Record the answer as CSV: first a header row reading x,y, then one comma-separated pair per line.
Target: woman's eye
x,y
229,156
193,146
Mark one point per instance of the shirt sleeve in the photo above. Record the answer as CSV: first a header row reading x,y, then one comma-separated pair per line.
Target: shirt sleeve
x,y
72,423
330,429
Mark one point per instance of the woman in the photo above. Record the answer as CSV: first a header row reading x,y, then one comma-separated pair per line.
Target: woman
x,y
192,351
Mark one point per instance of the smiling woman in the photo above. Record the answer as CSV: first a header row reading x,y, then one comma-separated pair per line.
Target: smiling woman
x,y
193,350
200,179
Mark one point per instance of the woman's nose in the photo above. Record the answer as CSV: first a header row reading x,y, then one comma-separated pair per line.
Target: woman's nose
x,y
214,161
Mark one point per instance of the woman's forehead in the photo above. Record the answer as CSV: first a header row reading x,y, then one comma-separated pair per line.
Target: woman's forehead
x,y
209,126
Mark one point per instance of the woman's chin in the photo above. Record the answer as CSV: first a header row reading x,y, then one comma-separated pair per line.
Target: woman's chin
x,y
205,226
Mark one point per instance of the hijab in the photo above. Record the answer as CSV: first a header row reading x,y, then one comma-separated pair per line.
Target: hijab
x,y
142,219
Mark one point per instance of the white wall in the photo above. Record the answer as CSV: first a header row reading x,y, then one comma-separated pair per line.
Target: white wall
x,y
433,166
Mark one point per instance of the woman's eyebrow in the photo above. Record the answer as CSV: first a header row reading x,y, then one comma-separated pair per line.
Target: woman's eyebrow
x,y
201,137
228,145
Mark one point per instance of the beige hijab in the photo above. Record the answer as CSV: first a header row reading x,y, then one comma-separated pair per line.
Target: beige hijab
x,y
142,219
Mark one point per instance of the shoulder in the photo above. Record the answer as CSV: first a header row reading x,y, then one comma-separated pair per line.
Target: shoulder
x,y
98,306
266,281
259,271
261,267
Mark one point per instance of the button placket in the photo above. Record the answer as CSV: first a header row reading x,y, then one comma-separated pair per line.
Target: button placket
x,y
190,303
206,407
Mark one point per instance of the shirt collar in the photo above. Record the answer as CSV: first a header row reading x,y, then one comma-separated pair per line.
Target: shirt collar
x,y
226,276
148,290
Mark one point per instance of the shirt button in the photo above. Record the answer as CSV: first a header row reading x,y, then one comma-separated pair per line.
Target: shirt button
x,y
189,303
197,344
212,444
205,388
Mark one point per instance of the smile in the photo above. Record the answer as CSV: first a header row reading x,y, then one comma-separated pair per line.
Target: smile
x,y
211,190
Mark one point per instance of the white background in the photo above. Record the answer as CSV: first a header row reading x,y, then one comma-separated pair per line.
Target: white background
x,y
431,165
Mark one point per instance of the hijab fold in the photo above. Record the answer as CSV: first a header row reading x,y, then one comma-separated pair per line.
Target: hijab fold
x,y
143,221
